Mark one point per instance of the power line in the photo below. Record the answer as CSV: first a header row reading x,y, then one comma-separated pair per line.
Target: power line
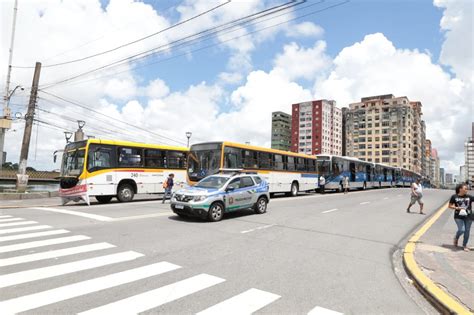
x,y
188,39
132,42
112,118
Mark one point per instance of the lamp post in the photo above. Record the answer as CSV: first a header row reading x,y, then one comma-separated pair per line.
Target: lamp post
x,y
67,135
188,135
5,121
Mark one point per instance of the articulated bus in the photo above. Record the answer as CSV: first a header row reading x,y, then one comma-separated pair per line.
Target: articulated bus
x,y
105,169
284,171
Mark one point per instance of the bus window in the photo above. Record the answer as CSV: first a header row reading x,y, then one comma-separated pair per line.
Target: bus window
x,y
176,159
323,167
100,157
290,164
155,158
311,165
300,166
278,162
250,159
130,157
264,161
232,158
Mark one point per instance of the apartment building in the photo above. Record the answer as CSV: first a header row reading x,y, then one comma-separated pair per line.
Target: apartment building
x,y
281,131
316,128
386,129
435,165
469,156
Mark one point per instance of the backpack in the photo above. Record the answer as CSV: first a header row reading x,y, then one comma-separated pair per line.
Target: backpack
x,y
165,184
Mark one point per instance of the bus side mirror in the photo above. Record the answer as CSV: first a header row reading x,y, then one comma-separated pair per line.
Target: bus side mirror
x,y
55,156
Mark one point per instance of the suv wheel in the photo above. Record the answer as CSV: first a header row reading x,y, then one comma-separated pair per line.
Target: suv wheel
x,y
216,212
261,205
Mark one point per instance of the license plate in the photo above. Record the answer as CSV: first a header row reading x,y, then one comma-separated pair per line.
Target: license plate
x,y
179,206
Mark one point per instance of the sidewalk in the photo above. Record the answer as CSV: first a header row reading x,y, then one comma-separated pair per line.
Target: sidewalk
x,y
442,272
26,203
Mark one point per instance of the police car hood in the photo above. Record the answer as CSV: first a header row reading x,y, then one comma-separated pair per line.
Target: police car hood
x,y
197,191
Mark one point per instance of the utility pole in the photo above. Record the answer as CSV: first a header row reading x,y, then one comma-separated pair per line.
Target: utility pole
x,y
22,178
6,122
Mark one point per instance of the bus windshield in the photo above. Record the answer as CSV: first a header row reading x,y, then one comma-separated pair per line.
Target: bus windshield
x,y
73,162
204,160
324,166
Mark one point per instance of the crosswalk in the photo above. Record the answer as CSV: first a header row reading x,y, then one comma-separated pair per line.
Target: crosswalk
x,y
23,238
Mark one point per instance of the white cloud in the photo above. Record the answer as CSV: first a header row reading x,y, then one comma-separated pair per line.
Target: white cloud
x,y
120,89
305,29
157,89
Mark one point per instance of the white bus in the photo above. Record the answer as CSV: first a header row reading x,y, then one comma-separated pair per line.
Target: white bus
x,y
284,171
105,169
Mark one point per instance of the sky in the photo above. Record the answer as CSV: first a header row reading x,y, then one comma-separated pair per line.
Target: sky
x,y
212,71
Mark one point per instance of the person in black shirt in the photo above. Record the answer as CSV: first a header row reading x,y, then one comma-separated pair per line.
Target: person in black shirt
x,y
461,203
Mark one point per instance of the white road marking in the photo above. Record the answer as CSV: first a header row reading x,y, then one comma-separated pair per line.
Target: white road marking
x,y
258,228
54,254
245,303
327,211
10,220
364,203
58,270
24,229
323,311
154,298
53,241
399,195
76,213
145,216
385,198
39,299
31,235
17,223
5,216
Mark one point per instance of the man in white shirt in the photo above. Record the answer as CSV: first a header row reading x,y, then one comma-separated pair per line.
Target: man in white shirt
x,y
322,183
416,195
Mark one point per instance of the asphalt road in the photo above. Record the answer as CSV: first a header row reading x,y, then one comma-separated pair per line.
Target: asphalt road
x,y
311,254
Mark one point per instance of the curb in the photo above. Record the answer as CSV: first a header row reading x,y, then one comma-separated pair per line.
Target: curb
x,y
25,207
441,299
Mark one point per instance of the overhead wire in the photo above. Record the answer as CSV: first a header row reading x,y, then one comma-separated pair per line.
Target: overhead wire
x,y
188,39
132,42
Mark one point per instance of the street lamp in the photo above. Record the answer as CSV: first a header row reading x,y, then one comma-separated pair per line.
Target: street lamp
x,y
67,135
188,135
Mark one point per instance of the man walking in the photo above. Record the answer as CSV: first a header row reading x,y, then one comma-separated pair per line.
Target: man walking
x,y
345,184
416,195
322,183
168,186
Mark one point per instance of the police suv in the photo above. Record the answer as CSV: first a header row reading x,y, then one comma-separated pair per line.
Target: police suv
x,y
221,193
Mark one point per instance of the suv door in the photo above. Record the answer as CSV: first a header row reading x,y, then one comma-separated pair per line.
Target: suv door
x,y
249,191
233,194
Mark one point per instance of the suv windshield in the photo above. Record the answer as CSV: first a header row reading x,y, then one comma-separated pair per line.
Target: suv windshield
x,y
204,160
73,162
212,182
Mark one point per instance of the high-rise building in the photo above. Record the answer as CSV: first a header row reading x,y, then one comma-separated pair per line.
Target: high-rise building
x,y
316,128
469,156
435,168
281,131
463,173
385,129
428,168
424,172
449,179
442,177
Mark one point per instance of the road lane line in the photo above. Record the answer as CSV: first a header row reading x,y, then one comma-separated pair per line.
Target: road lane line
x,y
144,216
31,235
17,223
364,203
59,270
245,303
385,198
5,216
35,300
54,254
258,228
323,311
331,210
10,220
154,298
53,241
30,228
76,213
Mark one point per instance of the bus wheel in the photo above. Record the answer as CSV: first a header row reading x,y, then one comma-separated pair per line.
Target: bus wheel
x,y
103,199
261,205
125,193
216,212
294,189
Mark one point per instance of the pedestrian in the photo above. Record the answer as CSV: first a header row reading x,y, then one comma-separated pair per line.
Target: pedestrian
x,y
168,186
345,184
416,195
322,183
461,203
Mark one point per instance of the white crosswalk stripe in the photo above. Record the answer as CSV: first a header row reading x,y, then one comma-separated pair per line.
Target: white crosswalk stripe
x,y
5,216
323,311
40,299
53,254
154,298
24,229
10,220
245,303
31,235
17,223
53,271
54,241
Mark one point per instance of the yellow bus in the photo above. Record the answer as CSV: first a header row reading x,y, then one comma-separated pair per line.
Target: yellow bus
x,y
105,169
285,172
